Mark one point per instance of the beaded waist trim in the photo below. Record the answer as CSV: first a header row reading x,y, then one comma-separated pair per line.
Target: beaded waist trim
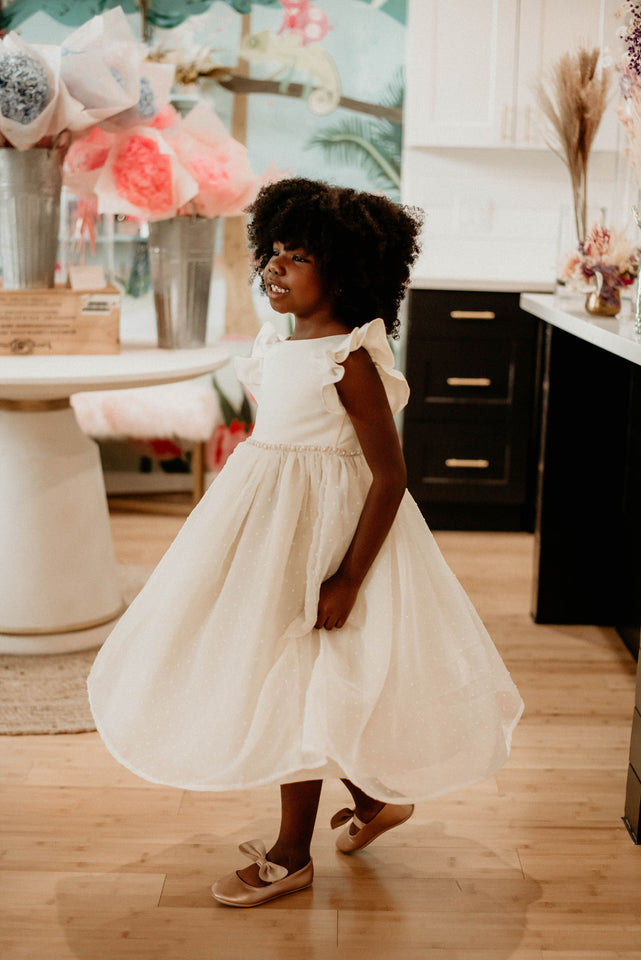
x,y
304,448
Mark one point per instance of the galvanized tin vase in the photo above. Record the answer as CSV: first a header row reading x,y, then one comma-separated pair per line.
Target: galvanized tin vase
x,y
181,256
30,184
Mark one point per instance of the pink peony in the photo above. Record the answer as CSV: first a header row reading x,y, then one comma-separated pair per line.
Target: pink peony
x,y
88,153
173,166
143,175
225,180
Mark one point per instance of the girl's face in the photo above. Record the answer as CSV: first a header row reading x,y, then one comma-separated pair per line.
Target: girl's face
x,y
293,284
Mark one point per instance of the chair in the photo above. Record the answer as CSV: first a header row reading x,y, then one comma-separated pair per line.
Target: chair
x,y
188,412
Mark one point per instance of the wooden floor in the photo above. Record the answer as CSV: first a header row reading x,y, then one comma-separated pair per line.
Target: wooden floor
x,y
534,864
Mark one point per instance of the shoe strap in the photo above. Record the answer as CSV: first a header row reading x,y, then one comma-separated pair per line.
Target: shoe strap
x,y
344,816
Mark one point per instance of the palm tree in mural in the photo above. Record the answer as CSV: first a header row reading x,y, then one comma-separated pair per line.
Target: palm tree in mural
x,y
372,143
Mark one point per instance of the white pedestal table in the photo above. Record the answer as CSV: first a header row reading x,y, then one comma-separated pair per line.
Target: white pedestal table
x,y
58,574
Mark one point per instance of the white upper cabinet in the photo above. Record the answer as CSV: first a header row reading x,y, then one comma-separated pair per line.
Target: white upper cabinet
x,y
461,59
548,29
472,65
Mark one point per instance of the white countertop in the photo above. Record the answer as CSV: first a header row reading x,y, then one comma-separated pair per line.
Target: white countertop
x,y
614,334
483,285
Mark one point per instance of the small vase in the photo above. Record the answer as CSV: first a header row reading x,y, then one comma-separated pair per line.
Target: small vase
x,y
30,186
181,256
605,301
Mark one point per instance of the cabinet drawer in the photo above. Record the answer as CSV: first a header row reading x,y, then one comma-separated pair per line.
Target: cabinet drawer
x,y
468,313
462,462
460,371
471,453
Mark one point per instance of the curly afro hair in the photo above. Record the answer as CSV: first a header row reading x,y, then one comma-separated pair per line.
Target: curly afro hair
x,y
363,244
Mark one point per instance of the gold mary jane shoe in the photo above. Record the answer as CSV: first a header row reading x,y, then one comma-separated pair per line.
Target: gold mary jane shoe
x,y
236,893
391,815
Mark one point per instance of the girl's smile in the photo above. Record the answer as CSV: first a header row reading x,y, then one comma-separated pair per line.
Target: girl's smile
x,y
293,284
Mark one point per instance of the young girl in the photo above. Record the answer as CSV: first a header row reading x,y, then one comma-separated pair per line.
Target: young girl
x,y
303,624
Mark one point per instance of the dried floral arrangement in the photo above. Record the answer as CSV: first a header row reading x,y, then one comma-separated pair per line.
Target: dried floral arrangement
x,y
607,252
630,84
573,99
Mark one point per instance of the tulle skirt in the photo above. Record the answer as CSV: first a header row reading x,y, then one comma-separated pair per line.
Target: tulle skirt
x,y
215,678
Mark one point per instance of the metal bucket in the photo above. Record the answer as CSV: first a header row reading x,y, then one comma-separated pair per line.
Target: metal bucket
x,y
181,256
30,183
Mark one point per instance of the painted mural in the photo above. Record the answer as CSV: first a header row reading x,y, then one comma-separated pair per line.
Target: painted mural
x,y
316,87
312,88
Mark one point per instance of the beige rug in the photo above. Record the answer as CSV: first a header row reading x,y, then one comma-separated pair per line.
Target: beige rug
x,y
48,693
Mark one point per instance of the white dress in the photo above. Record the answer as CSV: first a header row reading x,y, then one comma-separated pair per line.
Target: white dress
x,y
215,678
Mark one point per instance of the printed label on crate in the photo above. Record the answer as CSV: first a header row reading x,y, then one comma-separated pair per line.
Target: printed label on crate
x,y
99,303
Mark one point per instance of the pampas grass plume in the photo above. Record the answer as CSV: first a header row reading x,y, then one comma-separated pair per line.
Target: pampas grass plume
x,y
573,98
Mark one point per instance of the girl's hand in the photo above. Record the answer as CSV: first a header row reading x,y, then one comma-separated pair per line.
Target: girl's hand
x,y
337,597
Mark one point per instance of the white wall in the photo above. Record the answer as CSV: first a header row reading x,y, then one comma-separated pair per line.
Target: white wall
x,y
495,214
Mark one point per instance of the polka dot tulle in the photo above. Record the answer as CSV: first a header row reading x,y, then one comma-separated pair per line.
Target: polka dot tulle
x,y
215,678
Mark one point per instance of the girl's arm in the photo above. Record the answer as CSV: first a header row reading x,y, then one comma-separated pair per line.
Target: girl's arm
x,y
363,396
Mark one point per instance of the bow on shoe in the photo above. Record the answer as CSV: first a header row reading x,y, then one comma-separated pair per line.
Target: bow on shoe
x,y
343,816
267,871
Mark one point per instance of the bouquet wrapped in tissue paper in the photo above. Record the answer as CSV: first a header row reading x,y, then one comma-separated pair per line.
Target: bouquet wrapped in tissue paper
x,y
98,75
170,167
35,104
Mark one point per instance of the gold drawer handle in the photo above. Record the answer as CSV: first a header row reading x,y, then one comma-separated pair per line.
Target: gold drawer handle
x,y
469,382
472,315
454,462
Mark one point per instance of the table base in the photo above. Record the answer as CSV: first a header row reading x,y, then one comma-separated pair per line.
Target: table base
x,y
57,563
131,580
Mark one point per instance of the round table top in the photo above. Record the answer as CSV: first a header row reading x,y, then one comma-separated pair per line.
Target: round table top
x,y
137,365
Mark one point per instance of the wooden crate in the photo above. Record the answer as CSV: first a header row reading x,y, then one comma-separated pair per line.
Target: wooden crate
x,y
59,321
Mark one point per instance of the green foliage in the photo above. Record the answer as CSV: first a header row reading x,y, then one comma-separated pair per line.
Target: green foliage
x,y
244,412
369,142
397,9
171,13
160,13
64,11
245,6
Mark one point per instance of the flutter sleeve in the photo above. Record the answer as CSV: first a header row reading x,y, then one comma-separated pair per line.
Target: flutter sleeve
x,y
249,370
373,337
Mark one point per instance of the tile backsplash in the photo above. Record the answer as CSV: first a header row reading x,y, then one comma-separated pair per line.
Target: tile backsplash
x,y
495,214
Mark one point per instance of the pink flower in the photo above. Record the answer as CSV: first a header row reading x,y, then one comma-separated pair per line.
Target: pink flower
x,y
223,442
84,160
142,174
165,118
224,177
607,252
88,153
169,167
165,449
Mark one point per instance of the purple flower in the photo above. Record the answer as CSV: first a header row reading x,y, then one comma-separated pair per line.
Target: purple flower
x,y
632,38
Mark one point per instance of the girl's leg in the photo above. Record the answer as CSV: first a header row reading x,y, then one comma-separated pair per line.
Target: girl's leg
x,y
365,807
299,805
370,819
